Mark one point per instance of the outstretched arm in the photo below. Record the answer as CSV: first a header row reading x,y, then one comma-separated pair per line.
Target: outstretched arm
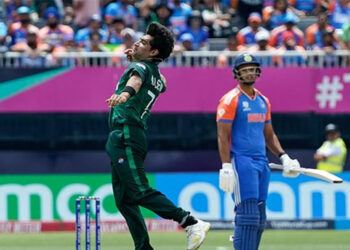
x,y
132,87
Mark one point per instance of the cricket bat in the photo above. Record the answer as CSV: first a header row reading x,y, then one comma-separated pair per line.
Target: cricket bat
x,y
319,174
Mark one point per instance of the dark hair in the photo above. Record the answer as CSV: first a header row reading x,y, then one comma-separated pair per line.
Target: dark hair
x,y
162,40
118,20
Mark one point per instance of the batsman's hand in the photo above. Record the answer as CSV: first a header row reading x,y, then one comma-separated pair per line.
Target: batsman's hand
x,y
226,179
115,99
289,165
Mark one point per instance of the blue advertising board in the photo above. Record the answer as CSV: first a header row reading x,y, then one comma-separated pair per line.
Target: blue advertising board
x,y
304,197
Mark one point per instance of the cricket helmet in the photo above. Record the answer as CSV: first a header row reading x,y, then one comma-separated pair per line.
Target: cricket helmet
x,y
245,59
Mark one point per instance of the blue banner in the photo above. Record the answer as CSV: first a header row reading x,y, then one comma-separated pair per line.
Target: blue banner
x,y
303,197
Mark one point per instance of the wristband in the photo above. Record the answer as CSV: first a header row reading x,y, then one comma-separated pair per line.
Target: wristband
x,y
280,154
227,165
129,90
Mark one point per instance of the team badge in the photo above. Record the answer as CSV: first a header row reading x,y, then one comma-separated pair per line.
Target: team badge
x,y
143,67
248,58
120,160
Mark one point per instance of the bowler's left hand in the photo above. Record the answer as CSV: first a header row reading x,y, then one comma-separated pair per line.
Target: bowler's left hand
x,y
115,99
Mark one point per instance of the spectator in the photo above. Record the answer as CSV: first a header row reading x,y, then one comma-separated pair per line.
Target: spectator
x,y
84,10
68,17
3,37
262,38
55,34
186,43
310,7
244,8
72,46
163,13
122,9
340,14
328,42
304,7
115,32
34,52
290,44
345,36
19,30
246,36
95,42
314,31
217,18
328,45
179,17
11,7
331,156
32,46
198,31
274,15
325,6
232,45
197,5
146,16
82,37
289,25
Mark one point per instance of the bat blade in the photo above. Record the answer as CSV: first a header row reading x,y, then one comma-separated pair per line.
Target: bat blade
x,y
316,173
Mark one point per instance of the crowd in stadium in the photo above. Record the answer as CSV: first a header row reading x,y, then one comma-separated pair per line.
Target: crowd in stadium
x,y
52,26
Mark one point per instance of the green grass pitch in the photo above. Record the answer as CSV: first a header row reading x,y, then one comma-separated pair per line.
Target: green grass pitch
x,y
216,240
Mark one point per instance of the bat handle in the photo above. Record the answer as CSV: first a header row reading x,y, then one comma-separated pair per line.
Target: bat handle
x,y
275,166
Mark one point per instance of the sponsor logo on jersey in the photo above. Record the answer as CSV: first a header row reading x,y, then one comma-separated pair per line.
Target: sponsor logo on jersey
x,y
245,105
221,112
256,117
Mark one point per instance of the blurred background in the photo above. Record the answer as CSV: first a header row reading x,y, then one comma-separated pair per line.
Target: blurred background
x,y
60,60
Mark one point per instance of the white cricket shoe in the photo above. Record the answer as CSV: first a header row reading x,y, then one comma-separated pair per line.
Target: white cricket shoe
x,y
196,234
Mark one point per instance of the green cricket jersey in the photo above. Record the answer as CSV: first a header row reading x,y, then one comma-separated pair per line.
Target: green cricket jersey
x,y
137,108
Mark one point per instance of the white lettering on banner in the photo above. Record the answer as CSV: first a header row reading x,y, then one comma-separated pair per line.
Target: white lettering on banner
x,y
228,207
346,77
212,198
288,201
23,193
63,197
204,199
329,92
103,192
328,191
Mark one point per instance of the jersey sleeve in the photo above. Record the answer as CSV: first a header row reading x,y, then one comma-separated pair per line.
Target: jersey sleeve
x,y
140,68
162,77
268,112
227,107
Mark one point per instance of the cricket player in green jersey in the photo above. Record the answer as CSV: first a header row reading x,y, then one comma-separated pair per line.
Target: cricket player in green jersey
x,y
137,90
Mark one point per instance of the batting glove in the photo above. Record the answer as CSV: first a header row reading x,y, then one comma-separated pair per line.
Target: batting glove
x,y
289,165
226,180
